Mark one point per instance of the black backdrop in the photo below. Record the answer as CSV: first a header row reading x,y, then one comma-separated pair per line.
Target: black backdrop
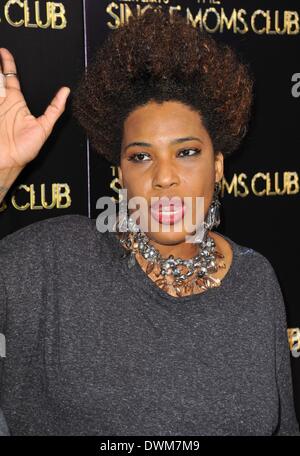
x,y
53,41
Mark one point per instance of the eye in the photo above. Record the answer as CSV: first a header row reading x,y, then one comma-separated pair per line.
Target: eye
x,y
136,157
197,152
133,157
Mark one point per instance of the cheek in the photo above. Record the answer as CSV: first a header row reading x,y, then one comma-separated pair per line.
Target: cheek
x,y
136,185
198,182
199,185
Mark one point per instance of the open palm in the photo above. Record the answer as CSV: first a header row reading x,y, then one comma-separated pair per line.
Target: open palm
x,y
21,134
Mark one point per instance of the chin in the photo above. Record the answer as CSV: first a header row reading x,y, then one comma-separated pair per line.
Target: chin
x,y
166,233
170,238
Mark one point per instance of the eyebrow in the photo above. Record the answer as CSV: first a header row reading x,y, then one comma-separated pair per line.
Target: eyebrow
x,y
174,141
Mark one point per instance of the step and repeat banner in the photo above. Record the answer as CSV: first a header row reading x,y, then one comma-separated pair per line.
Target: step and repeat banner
x,y
52,42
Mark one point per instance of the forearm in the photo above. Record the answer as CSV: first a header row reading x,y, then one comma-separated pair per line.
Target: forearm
x,y
7,178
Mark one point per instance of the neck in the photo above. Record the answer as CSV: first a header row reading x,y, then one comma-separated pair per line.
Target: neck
x,y
184,250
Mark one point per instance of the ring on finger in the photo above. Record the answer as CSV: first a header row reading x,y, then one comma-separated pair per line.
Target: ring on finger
x,y
11,73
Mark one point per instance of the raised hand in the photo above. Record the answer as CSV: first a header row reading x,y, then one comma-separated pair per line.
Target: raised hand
x,y
21,134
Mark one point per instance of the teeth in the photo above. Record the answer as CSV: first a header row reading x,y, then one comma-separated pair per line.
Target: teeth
x,y
169,213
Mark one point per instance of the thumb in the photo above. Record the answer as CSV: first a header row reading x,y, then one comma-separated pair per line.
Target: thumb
x,y
54,110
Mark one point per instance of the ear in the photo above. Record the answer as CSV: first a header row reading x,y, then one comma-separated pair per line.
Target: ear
x,y
120,176
219,166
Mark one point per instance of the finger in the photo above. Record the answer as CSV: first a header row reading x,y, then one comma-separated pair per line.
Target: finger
x,y
2,86
2,82
8,66
54,110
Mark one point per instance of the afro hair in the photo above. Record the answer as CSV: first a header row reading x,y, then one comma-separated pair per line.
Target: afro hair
x,y
161,58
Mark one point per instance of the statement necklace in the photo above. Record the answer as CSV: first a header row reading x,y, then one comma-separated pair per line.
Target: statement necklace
x,y
183,276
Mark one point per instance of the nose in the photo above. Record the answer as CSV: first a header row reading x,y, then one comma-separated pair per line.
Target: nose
x,y
165,175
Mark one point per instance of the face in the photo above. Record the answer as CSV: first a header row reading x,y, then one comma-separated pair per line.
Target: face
x,y
167,152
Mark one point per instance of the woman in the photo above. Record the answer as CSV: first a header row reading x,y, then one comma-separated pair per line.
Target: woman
x,y
133,331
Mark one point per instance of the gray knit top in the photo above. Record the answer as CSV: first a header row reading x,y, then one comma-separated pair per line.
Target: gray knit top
x,y
95,348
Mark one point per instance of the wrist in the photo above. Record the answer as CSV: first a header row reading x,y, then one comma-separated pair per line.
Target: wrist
x,y
7,178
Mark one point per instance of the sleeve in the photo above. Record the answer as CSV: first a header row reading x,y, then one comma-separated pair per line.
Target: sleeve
x,y
26,264
287,423
2,326
3,426
20,263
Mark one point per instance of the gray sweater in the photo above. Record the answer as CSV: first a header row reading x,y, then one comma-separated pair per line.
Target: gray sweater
x,y
95,348
3,425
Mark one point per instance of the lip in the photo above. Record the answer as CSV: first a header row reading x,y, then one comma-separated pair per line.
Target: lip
x,y
168,204
169,215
